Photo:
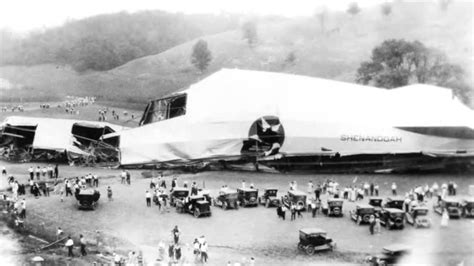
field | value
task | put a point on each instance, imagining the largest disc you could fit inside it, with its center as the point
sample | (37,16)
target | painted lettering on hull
(362,138)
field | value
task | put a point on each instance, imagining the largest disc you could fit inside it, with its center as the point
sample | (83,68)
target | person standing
(109,193)
(175,232)
(376,189)
(204,250)
(128,177)
(243,183)
(83,245)
(394,189)
(69,245)
(293,212)
(38,172)
(23,209)
(377,224)
(31,171)
(56,171)
(317,191)
(59,233)
(310,187)
(372,188)
(148,198)
(283,211)
(123,175)
(313,208)
(4,171)
(371,224)
(444,218)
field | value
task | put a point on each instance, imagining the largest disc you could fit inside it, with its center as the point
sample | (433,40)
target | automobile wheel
(224,205)
(310,250)
(267,204)
(197,213)
(300,246)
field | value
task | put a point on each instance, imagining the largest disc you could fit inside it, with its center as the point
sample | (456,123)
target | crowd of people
(115,115)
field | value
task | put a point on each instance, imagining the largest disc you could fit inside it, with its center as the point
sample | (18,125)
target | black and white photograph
(236,133)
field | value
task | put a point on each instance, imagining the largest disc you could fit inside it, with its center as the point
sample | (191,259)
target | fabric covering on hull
(234,113)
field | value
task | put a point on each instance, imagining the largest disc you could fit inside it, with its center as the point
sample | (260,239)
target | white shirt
(69,243)
(148,195)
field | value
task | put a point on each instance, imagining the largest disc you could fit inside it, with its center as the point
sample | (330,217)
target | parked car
(391,255)
(468,207)
(392,218)
(269,198)
(206,194)
(376,202)
(451,204)
(295,197)
(418,217)
(87,198)
(394,202)
(362,213)
(178,193)
(314,239)
(227,198)
(333,207)
(195,205)
(247,197)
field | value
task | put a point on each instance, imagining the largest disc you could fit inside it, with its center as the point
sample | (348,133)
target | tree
(249,32)
(201,56)
(386,9)
(396,63)
(353,9)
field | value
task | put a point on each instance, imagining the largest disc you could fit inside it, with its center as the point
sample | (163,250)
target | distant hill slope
(333,53)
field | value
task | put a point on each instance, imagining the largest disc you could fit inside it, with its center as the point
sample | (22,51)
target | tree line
(106,41)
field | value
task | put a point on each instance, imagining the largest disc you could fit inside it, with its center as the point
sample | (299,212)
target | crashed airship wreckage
(288,122)
(24,139)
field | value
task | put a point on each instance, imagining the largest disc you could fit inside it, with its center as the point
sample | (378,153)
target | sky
(26,15)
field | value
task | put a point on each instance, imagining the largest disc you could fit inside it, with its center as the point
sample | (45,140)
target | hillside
(334,52)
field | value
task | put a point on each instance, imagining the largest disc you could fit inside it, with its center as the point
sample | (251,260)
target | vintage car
(247,197)
(206,194)
(295,197)
(333,207)
(392,218)
(394,202)
(269,198)
(418,217)
(362,213)
(451,204)
(87,198)
(391,255)
(376,202)
(195,205)
(314,239)
(468,207)
(227,198)
(178,193)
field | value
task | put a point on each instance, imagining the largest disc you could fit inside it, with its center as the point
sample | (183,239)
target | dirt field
(126,223)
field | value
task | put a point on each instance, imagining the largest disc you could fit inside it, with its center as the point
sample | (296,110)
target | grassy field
(127,224)
(334,54)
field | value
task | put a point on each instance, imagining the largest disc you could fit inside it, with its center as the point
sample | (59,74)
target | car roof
(395,198)
(393,210)
(312,231)
(334,199)
(297,192)
(247,189)
(202,201)
(375,198)
(204,191)
(87,191)
(364,206)
(180,189)
(196,197)
(397,247)
(271,189)
(469,199)
(421,208)
(228,190)
(452,199)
